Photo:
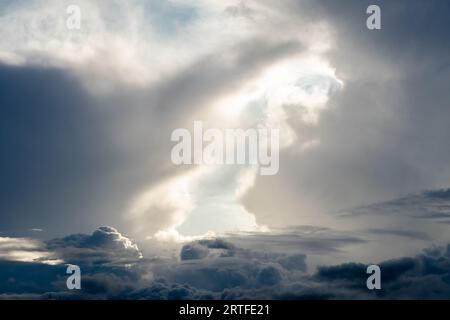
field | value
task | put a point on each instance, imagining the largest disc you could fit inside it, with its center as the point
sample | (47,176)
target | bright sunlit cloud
(26,250)
(142,44)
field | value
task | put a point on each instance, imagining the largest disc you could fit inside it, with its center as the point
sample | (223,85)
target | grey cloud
(108,260)
(432,205)
(383,133)
(104,246)
(293,262)
(208,247)
(405,278)
(270,274)
(161,289)
(189,252)
(246,275)
(210,77)
(55,147)
(307,239)
(221,248)
(74,160)
(401,233)
(209,276)
(217,243)
(28,278)
(86,156)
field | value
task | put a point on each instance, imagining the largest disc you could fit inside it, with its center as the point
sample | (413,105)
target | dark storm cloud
(70,160)
(425,276)
(382,135)
(204,248)
(108,262)
(164,290)
(23,278)
(192,252)
(55,154)
(403,278)
(248,274)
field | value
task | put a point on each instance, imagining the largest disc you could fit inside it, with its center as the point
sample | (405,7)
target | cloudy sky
(86,176)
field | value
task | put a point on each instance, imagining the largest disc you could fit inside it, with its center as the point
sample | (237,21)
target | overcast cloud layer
(85,123)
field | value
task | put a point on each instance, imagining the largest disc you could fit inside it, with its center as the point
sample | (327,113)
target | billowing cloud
(292,263)
(138,88)
(245,274)
(86,118)
(106,245)
(381,135)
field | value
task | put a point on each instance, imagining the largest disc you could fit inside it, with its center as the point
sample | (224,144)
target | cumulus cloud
(402,278)
(242,273)
(421,277)
(207,248)
(105,245)
(36,269)
(86,118)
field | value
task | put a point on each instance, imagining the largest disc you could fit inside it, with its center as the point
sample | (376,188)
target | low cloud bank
(113,268)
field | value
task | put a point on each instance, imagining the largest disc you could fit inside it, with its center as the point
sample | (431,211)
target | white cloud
(105,245)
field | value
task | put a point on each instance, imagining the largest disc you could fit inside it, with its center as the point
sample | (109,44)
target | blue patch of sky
(169,18)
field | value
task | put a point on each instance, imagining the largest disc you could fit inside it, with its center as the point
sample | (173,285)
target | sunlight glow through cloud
(132,43)
(305,82)
(26,250)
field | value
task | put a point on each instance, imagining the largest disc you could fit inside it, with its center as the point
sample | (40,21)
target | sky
(86,118)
